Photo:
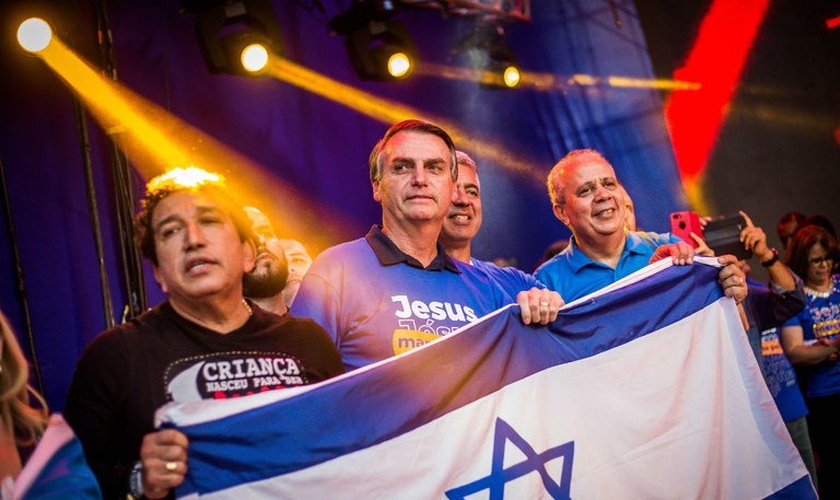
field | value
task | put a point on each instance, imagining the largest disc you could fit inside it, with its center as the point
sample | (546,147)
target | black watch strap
(773,259)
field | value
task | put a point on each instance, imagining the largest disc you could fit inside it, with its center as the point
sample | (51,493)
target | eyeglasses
(819,260)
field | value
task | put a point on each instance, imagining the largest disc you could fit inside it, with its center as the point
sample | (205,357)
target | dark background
(779,147)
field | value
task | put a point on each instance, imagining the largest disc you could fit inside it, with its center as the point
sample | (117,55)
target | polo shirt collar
(390,254)
(578,260)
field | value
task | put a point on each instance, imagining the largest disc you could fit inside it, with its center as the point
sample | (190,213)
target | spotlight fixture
(34,34)
(379,47)
(237,37)
(382,51)
(485,51)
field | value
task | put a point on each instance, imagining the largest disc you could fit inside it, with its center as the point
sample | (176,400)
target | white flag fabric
(645,390)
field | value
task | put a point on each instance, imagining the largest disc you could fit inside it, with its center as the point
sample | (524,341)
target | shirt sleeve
(318,299)
(94,409)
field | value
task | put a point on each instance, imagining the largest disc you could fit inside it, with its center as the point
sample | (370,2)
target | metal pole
(96,228)
(20,281)
(135,285)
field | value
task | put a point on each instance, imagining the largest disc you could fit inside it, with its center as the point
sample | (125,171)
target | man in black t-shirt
(204,342)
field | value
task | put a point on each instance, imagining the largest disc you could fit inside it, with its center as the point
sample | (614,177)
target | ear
(376,195)
(249,254)
(560,214)
(160,282)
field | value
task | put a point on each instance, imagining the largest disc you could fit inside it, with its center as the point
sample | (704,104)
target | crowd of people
(248,312)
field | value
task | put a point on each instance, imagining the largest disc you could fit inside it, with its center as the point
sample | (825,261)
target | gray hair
(558,194)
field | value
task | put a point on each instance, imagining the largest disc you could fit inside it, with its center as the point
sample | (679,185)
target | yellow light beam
(121,116)
(390,112)
(156,141)
(547,82)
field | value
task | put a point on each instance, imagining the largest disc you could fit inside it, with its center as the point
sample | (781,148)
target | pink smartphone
(685,223)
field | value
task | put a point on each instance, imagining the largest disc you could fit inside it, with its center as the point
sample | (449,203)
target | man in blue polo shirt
(586,197)
(396,289)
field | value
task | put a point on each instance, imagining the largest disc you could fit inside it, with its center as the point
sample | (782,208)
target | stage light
(382,51)
(511,76)
(485,52)
(237,37)
(34,34)
(379,47)
(399,65)
(254,57)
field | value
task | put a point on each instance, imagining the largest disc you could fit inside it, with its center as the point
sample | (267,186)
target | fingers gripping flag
(647,389)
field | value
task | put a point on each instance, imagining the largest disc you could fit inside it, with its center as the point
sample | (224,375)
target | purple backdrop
(316,146)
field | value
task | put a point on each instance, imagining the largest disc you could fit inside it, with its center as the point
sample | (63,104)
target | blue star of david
(499,476)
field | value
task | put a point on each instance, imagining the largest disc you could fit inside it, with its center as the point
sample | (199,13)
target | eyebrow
(602,180)
(202,210)
(414,161)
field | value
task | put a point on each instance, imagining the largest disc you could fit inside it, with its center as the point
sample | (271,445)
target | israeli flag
(645,390)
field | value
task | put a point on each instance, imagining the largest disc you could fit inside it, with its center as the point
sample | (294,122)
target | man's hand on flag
(164,457)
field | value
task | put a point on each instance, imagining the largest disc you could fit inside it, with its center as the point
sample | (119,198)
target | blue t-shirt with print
(820,320)
(781,378)
(375,302)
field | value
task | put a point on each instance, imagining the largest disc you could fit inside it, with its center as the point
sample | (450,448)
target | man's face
(416,184)
(299,263)
(198,248)
(463,220)
(594,206)
(269,275)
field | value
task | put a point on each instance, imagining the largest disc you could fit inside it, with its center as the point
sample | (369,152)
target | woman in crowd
(22,424)
(40,458)
(812,342)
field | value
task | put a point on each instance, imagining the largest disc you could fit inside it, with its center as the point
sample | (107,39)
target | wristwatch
(772,260)
(135,482)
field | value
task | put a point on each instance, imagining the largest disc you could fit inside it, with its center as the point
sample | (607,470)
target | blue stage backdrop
(312,144)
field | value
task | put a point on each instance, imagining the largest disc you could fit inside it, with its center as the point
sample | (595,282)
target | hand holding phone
(685,223)
(723,235)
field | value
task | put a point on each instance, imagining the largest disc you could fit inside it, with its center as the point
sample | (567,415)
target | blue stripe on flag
(800,489)
(373,406)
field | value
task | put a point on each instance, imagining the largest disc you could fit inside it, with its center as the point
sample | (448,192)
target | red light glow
(716,61)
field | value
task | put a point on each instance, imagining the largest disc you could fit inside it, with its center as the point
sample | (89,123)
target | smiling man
(462,223)
(204,342)
(588,199)
(396,289)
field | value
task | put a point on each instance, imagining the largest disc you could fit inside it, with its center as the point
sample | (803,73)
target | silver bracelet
(135,481)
